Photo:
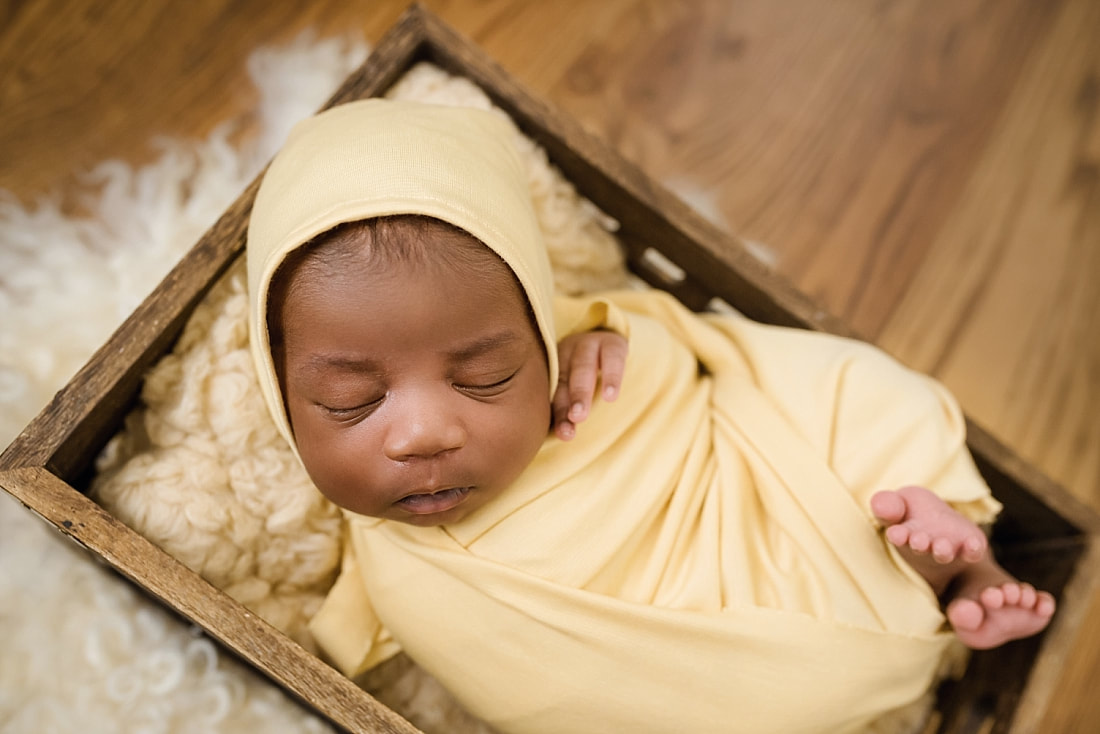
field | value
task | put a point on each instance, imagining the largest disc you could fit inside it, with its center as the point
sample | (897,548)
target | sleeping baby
(604,513)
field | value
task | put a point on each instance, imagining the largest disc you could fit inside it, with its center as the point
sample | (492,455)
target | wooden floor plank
(840,136)
(1006,308)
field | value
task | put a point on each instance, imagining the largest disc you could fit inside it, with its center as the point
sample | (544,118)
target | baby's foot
(936,541)
(989,607)
(992,610)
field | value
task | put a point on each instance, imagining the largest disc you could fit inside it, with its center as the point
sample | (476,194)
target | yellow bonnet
(375,158)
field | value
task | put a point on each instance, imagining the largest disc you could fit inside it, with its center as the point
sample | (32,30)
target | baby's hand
(584,360)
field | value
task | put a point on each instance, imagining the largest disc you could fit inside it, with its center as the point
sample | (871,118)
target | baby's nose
(424,431)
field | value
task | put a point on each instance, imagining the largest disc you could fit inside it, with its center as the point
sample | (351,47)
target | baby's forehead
(404,247)
(399,240)
(416,299)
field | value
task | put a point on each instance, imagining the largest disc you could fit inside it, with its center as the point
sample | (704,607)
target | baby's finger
(613,365)
(565,431)
(563,427)
(583,371)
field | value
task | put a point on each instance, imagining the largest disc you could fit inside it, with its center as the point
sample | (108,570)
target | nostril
(411,456)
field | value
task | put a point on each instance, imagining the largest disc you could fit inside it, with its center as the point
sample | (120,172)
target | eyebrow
(363,365)
(484,345)
(345,363)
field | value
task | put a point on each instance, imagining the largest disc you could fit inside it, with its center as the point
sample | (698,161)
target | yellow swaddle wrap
(702,556)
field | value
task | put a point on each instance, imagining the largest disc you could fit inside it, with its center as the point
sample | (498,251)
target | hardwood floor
(928,169)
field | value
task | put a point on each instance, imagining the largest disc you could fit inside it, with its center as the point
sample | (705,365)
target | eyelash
(364,409)
(350,413)
(490,387)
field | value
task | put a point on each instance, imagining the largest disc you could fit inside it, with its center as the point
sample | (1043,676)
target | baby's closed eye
(487,384)
(350,408)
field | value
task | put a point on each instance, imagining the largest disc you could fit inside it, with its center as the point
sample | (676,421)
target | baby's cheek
(329,465)
(347,491)
(526,438)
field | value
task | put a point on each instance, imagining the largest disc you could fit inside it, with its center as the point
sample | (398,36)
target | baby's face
(416,394)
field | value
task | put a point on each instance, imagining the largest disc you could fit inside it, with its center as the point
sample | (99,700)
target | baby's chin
(428,522)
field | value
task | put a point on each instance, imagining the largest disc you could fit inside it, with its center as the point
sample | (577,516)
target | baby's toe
(1028,596)
(898,535)
(943,550)
(1012,594)
(888,507)
(992,597)
(1044,605)
(920,541)
(973,548)
(965,614)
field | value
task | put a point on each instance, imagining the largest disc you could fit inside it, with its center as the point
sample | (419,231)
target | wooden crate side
(1036,507)
(76,423)
(274,654)
(988,698)
(1059,641)
(396,52)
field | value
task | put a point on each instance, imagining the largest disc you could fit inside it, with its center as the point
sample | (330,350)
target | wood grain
(1005,308)
(928,169)
(247,635)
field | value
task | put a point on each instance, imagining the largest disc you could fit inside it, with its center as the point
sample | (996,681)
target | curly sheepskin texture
(201,471)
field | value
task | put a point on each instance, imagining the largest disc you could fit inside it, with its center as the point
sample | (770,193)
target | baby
(435,405)
(720,515)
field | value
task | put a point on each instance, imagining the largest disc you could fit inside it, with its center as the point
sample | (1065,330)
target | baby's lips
(430,503)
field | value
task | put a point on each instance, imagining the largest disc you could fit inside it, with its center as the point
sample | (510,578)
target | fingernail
(610,393)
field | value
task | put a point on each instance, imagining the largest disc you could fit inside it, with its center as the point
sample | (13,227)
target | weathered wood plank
(264,647)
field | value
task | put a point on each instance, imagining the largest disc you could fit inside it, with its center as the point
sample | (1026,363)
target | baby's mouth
(430,503)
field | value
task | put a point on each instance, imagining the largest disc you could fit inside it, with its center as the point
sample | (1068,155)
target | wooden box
(1044,535)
